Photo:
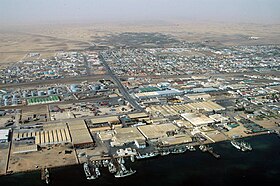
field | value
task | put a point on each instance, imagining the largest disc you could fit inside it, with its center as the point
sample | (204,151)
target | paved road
(87,65)
(122,89)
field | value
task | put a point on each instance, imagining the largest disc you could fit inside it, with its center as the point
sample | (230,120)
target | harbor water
(261,166)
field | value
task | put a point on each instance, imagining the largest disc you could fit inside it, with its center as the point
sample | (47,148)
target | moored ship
(123,172)
(89,175)
(47,176)
(243,146)
(147,155)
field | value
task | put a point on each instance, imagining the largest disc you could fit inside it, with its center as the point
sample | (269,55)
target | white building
(197,119)
(4,135)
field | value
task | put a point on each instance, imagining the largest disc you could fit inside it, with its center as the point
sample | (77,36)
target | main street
(122,89)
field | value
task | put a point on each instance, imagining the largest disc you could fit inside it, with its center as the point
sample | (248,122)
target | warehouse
(162,93)
(50,135)
(156,131)
(208,106)
(175,140)
(109,119)
(125,136)
(199,96)
(197,119)
(80,134)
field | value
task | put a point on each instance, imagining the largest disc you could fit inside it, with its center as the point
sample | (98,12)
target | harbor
(233,168)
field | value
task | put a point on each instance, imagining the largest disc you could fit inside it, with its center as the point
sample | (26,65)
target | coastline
(78,163)
(261,166)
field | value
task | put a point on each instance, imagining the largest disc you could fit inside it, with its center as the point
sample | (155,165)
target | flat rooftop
(197,119)
(125,135)
(138,115)
(199,96)
(4,134)
(156,131)
(171,110)
(51,134)
(176,140)
(206,105)
(79,132)
(110,119)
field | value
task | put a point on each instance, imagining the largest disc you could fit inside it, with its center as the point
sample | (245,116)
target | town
(102,105)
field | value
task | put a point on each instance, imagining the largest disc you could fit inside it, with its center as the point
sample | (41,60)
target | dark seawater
(259,167)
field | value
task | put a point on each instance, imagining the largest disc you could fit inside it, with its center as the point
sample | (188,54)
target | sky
(67,11)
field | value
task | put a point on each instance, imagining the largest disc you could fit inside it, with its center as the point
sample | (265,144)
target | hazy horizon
(13,12)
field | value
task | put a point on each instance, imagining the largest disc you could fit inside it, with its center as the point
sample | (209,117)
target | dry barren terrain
(17,42)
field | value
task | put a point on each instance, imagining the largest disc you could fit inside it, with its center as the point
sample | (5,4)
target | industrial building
(161,93)
(125,136)
(4,135)
(58,134)
(197,119)
(199,96)
(102,124)
(80,134)
(109,119)
(218,118)
(174,110)
(175,140)
(156,131)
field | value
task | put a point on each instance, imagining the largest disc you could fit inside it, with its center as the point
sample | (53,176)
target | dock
(208,149)
(43,175)
(211,151)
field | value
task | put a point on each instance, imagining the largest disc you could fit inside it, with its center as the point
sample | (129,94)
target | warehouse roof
(197,119)
(125,135)
(138,115)
(4,134)
(156,131)
(105,119)
(79,132)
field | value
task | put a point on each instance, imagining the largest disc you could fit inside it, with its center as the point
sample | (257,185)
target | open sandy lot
(50,157)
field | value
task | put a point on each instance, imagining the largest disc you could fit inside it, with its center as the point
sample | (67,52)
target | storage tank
(50,92)
(33,93)
(25,94)
(41,93)
(95,87)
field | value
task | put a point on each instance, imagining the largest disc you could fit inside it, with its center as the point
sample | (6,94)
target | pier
(211,151)
(205,148)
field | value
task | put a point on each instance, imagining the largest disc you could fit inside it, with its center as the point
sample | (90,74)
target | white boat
(88,173)
(164,153)
(47,176)
(132,158)
(190,148)
(245,146)
(97,171)
(236,144)
(203,148)
(178,151)
(147,155)
(105,163)
(112,168)
(123,172)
